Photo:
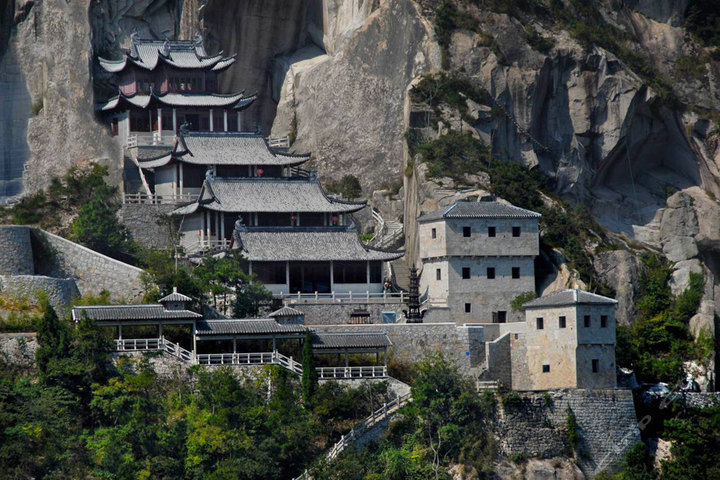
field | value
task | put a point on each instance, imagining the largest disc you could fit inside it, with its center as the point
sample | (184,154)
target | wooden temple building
(163,84)
(261,202)
(276,340)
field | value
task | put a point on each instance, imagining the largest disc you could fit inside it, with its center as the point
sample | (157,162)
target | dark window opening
(587,321)
(562,323)
(539,322)
(438,275)
(546,368)
(515,231)
(376,272)
(466,231)
(595,366)
(515,272)
(468,307)
(491,273)
(491,231)
(466,273)
(501,316)
(434,233)
(270,272)
(603,321)
(349,272)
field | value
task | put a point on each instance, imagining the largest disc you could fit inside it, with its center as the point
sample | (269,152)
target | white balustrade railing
(279,142)
(130,198)
(259,358)
(137,344)
(389,297)
(352,372)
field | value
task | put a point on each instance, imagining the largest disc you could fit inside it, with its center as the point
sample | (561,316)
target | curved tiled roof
(232,148)
(570,297)
(312,244)
(185,54)
(349,341)
(271,195)
(479,210)
(261,326)
(131,312)
(179,99)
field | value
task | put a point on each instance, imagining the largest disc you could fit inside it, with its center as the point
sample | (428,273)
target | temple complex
(163,84)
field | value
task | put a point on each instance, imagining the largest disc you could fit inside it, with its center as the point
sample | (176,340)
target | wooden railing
(129,198)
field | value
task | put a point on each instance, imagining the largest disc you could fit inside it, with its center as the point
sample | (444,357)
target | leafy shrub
(691,66)
(348,187)
(537,41)
(517,303)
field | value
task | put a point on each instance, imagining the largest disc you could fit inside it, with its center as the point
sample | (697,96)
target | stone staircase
(401,273)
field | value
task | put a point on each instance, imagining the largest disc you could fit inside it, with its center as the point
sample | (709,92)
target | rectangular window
(515,272)
(501,316)
(539,323)
(491,231)
(438,275)
(546,368)
(603,321)
(350,272)
(562,322)
(515,231)
(433,233)
(595,366)
(466,272)
(270,272)
(466,231)
(587,321)
(491,273)
(376,272)
(468,307)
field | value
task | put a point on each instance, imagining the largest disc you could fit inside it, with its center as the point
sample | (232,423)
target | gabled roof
(262,326)
(131,312)
(231,148)
(270,195)
(178,99)
(175,297)
(184,54)
(478,210)
(286,311)
(570,297)
(311,244)
(333,341)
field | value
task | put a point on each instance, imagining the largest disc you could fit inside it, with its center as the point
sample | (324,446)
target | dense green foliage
(702,19)
(659,341)
(80,417)
(447,423)
(348,187)
(696,440)
(309,373)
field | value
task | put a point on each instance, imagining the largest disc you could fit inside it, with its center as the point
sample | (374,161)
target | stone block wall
(60,292)
(498,363)
(339,313)
(149,224)
(16,256)
(413,342)
(92,271)
(535,424)
(18,349)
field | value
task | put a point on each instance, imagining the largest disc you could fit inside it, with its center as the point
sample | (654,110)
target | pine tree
(53,340)
(309,373)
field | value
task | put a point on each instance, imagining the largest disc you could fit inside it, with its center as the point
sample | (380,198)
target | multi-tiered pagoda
(165,84)
(260,201)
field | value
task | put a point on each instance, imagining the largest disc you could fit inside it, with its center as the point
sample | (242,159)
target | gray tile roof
(286,312)
(270,195)
(148,152)
(478,210)
(570,297)
(246,327)
(131,312)
(175,297)
(232,148)
(316,244)
(328,341)
(177,99)
(148,53)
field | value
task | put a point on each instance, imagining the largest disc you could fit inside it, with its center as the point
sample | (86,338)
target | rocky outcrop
(620,270)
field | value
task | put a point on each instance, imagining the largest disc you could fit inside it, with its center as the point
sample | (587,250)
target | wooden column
(160,330)
(120,332)
(368,273)
(181,180)
(159,118)
(287,275)
(234,345)
(174,120)
(332,276)
(239,115)
(225,119)
(222,225)
(217,224)
(212,129)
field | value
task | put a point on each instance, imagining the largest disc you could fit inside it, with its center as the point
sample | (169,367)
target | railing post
(350,294)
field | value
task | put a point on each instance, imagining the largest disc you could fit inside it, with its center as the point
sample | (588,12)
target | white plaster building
(476,258)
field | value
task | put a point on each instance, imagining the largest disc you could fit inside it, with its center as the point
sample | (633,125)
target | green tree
(98,228)
(53,338)
(250,296)
(309,373)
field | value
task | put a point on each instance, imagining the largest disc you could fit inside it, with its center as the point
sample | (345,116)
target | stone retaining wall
(412,342)
(149,224)
(535,425)
(16,256)
(339,313)
(18,349)
(92,271)
(60,292)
